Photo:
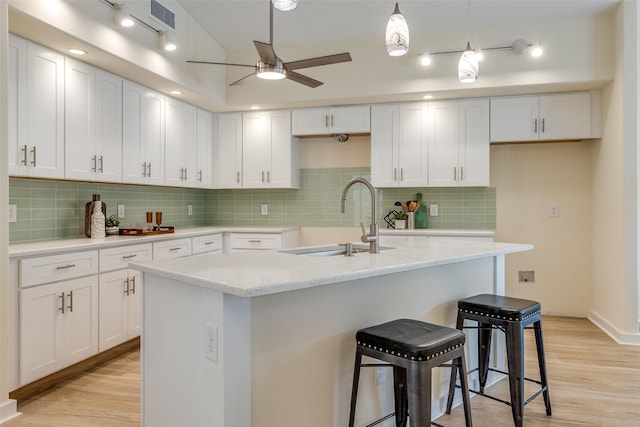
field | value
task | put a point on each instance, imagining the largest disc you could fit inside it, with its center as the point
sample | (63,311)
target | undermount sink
(329,250)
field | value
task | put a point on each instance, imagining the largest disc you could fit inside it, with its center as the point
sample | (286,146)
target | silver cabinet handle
(332,120)
(461,173)
(94,166)
(208,243)
(144,169)
(24,155)
(255,241)
(535,125)
(186,174)
(455,175)
(70,306)
(238,177)
(200,175)
(101,165)
(326,120)
(126,288)
(268,176)
(133,285)
(61,309)
(542,126)
(62,267)
(263,177)
(174,249)
(33,151)
(149,172)
(181,174)
(401,174)
(129,256)
(395,174)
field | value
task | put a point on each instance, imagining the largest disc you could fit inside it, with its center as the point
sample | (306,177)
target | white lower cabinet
(120,307)
(58,326)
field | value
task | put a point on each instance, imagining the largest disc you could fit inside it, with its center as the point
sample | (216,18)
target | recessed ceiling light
(78,51)
(427,97)
(176,92)
(255,107)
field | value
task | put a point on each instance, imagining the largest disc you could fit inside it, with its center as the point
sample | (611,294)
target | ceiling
(236,23)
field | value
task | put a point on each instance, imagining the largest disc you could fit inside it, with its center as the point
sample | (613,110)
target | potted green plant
(111,225)
(400,221)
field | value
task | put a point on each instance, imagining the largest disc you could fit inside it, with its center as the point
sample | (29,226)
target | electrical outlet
(381,376)
(526,276)
(211,342)
(13,213)
(264,209)
(120,211)
(433,210)
(189,210)
(554,211)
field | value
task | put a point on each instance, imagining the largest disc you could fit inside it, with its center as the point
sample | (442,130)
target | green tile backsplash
(55,209)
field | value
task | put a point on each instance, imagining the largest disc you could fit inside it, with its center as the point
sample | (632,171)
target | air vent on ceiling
(161,14)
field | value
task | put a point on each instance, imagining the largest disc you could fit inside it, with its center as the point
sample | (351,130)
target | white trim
(619,337)
(9,411)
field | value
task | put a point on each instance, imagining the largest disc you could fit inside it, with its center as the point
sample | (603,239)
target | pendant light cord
(468,22)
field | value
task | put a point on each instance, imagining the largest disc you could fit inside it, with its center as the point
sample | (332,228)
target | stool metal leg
(354,387)
(419,394)
(484,350)
(400,395)
(537,327)
(464,386)
(452,388)
(515,358)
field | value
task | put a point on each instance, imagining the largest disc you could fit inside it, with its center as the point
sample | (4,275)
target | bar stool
(412,348)
(512,316)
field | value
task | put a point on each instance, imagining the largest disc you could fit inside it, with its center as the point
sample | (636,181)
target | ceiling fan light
(121,15)
(285,5)
(270,72)
(468,66)
(397,35)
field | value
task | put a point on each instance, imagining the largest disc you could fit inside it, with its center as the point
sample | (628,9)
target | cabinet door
(384,145)
(45,112)
(81,319)
(204,143)
(41,331)
(80,155)
(108,126)
(443,144)
(412,145)
(180,143)
(474,152)
(227,156)
(143,135)
(355,119)
(310,121)
(514,119)
(113,310)
(282,172)
(256,149)
(565,116)
(134,305)
(17,106)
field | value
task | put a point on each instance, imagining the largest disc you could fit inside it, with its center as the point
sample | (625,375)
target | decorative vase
(97,221)
(112,230)
(88,210)
(400,224)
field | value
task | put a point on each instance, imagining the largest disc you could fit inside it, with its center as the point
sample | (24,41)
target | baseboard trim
(612,331)
(8,410)
(32,389)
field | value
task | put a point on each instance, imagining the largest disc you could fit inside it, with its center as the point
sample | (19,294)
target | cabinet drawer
(53,268)
(172,249)
(118,258)
(208,243)
(255,241)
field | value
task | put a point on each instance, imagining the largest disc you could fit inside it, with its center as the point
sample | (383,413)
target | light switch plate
(189,210)
(433,210)
(13,213)
(120,211)
(264,209)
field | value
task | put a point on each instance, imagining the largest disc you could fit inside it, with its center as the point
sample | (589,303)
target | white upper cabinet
(269,151)
(555,117)
(143,135)
(180,143)
(93,123)
(36,96)
(459,143)
(398,145)
(323,121)
(227,151)
(204,147)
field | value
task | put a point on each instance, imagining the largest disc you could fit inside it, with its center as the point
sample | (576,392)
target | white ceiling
(236,23)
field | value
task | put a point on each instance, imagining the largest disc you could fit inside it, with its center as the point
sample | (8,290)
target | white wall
(529,178)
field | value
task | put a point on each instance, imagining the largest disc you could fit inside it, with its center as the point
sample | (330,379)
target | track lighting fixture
(397,35)
(121,15)
(168,41)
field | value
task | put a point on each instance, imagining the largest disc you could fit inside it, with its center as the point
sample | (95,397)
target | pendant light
(285,5)
(468,63)
(397,36)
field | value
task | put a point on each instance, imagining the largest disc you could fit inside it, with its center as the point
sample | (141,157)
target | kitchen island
(267,339)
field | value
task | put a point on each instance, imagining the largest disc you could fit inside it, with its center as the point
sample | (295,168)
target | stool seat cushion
(411,339)
(500,307)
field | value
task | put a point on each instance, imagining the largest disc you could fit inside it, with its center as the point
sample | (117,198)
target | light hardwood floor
(593,382)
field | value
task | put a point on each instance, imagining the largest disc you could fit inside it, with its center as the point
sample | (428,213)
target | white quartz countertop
(44,247)
(256,273)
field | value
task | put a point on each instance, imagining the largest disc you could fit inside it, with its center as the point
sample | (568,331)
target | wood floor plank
(593,382)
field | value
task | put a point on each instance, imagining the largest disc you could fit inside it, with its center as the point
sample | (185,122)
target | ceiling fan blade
(266,52)
(237,82)
(299,78)
(320,60)
(220,63)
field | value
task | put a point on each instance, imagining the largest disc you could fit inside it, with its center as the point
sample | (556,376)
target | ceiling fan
(271,67)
